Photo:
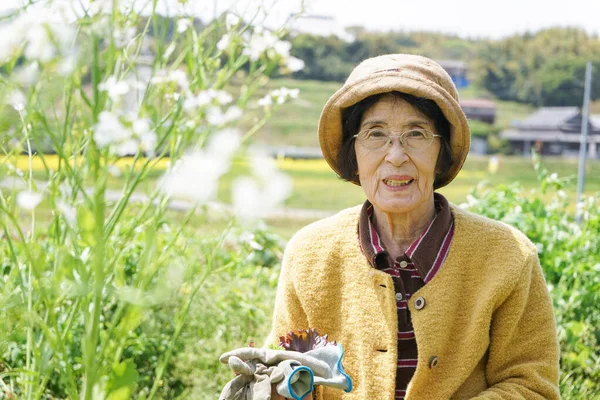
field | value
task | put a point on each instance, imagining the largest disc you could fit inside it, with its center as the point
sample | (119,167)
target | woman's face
(397,180)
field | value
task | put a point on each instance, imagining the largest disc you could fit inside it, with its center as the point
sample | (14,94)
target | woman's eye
(377,134)
(415,134)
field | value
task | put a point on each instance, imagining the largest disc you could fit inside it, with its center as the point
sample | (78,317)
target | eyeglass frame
(399,137)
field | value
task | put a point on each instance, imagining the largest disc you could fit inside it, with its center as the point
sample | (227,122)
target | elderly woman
(429,301)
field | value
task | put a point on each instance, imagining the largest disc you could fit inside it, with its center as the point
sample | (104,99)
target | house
(479,110)
(553,131)
(457,71)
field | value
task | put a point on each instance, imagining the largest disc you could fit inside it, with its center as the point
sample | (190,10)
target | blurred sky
(467,18)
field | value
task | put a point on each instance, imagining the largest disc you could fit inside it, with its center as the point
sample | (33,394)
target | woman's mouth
(397,182)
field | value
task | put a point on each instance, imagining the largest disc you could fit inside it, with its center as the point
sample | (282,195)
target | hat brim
(330,123)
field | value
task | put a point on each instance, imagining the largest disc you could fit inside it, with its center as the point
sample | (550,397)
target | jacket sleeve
(523,358)
(288,313)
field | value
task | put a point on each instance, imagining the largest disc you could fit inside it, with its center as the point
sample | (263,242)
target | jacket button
(419,303)
(403,264)
(433,362)
(399,296)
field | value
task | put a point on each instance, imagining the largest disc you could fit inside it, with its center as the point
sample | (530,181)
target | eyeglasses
(379,139)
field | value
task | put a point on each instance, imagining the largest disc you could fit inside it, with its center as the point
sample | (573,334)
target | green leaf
(123,393)
(85,219)
(86,223)
(123,378)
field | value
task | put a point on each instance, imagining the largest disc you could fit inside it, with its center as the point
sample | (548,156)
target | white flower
(109,130)
(225,142)
(222,97)
(215,116)
(293,93)
(249,200)
(10,41)
(180,77)
(204,98)
(124,36)
(233,113)
(259,43)
(42,30)
(66,65)
(231,20)
(246,198)
(28,74)
(127,147)
(190,104)
(266,101)
(281,98)
(148,143)
(16,170)
(282,47)
(115,88)
(141,127)
(28,200)
(294,64)
(39,45)
(283,94)
(172,96)
(183,25)
(177,76)
(195,177)
(67,212)
(223,43)
(66,190)
(16,99)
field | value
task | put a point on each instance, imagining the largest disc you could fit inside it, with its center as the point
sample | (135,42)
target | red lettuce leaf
(304,340)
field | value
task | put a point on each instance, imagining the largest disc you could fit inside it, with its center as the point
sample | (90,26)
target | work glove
(251,383)
(324,364)
(292,379)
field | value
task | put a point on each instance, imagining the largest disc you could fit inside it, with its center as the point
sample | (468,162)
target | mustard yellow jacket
(487,329)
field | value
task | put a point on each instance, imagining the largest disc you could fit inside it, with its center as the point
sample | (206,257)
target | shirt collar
(423,252)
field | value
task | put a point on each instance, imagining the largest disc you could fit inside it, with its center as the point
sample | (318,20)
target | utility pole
(584,133)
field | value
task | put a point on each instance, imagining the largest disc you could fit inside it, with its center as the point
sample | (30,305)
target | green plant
(569,256)
(97,286)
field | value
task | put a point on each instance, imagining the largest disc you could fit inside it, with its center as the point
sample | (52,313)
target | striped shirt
(411,271)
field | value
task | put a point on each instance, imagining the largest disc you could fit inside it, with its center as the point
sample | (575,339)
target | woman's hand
(277,396)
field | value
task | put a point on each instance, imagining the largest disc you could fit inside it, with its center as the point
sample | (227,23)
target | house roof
(478,103)
(545,136)
(548,118)
(561,124)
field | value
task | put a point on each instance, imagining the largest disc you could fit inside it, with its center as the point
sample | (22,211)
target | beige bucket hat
(415,75)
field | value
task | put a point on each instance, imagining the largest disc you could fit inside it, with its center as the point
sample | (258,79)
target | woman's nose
(396,153)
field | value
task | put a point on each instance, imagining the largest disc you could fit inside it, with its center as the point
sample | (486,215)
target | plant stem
(29,360)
